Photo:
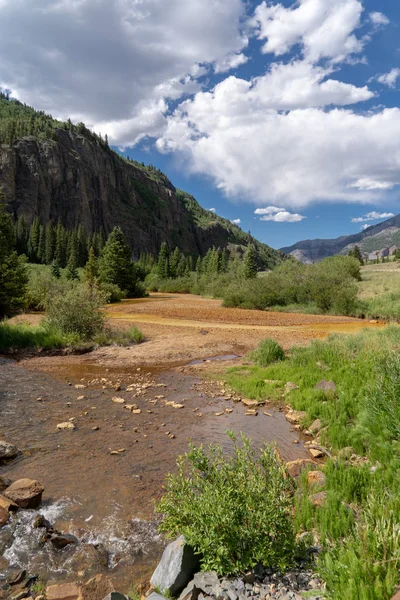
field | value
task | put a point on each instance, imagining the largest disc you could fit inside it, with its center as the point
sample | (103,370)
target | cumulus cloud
(364,227)
(389,79)
(236,221)
(213,210)
(113,63)
(232,61)
(278,215)
(372,216)
(378,18)
(324,29)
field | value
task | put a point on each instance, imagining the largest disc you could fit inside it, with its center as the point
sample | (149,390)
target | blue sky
(290,109)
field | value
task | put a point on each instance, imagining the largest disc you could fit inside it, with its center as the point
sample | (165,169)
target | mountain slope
(60,171)
(374,238)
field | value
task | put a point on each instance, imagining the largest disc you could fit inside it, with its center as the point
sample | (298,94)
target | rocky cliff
(71,175)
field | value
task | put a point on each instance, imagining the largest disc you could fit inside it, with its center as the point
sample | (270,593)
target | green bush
(108,336)
(234,510)
(77,311)
(112,292)
(42,285)
(22,335)
(268,352)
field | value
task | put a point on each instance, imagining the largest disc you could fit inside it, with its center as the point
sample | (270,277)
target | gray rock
(7,451)
(202,583)
(176,568)
(326,386)
(118,596)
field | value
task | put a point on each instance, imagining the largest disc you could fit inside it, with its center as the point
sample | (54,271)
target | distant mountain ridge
(375,239)
(58,171)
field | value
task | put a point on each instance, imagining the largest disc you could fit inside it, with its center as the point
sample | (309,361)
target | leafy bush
(108,336)
(77,311)
(42,285)
(112,292)
(268,352)
(235,511)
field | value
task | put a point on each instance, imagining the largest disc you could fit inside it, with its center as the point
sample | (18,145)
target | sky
(281,116)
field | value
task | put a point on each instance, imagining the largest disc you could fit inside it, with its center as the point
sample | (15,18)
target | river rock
(316,478)
(316,453)
(326,386)
(315,426)
(8,451)
(89,558)
(206,583)
(61,540)
(65,426)
(8,504)
(295,467)
(295,416)
(4,483)
(97,588)
(63,591)
(4,514)
(26,493)
(176,568)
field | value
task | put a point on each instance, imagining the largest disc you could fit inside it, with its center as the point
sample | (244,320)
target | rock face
(7,451)
(176,568)
(73,179)
(26,493)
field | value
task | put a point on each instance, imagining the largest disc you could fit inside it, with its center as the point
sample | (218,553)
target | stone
(315,426)
(8,451)
(4,483)
(4,514)
(290,386)
(20,595)
(176,568)
(316,478)
(61,540)
(7,504)
(26,493)
(65,426)
(326,386)
(154,596)
(118,400)
(295,467)
(89,558)
(63,591)
(249,403)
(118,596)
(202,583)
(16,577)
(346,453)
(97,588)
(318,499)
(295,416)
(316,453)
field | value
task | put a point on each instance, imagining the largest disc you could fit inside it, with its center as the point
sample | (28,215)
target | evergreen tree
(92,268)
(115,264)
(21,232)
(162,264)
(82,246)
(33,240)
(55,270)
(198,265)
(72,265)
(181,268)
(60,253)
(50,244)
(41,253)
(250,262)
(13,274)
(174,262)
(223,261)
(356,253)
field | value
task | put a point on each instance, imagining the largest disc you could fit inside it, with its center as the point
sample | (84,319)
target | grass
(358,525)
(21,336)
(379,291)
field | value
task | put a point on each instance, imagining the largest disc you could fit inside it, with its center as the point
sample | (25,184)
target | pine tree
(50,244)
(82,246)
(41,253)
(13,274)
(115,264)
(223,261)
(250,262)
(55,270)
(181,268)
(198,266)
(60,253)
(33,240)
(174,262)
(92,268)
(21,232)
(72,265)
(162,264)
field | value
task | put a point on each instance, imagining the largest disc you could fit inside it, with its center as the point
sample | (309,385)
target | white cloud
(378,18)
(389,79)
(113,63)
(325,29)
(372,216)
(278,215)
(236,221)
(364,227)
(213,210)
(232,61)
(368,184)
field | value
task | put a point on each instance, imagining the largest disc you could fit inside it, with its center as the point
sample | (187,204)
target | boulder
(8,504)
(316,453)
(176,568)
(295,416)
(118,596)
(97,588)
(63,591)
(61,540)
(154,596)
(7,451)
(315,427)
(290,386)
(4,514)
(26,493)
(318,499)
(4,483)
(295,467)
(316,478)
(206,583)
(326,386)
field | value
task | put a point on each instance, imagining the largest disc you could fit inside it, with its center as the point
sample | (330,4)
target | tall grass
(359,522)
(17,337)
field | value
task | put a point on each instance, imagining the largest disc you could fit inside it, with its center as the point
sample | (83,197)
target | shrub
(235,511)
(108,336)
(22,335)
(42,286)
(267,353)
(77,311)
(112,292)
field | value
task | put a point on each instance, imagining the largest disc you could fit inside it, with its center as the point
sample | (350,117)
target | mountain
(377,238)
(58,171)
